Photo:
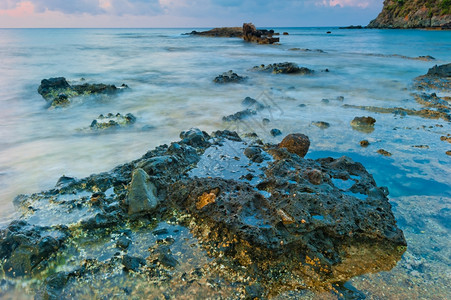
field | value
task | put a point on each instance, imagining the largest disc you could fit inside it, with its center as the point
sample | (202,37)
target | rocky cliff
(414,14)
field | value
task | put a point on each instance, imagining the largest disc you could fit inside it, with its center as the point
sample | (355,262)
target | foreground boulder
(58,92)
(199,214)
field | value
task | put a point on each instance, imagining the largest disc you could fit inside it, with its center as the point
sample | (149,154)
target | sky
(185,13)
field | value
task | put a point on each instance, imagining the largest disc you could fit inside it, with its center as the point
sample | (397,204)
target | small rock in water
(321,124)
(296,143)
(384,152)
(254,154)
(283,68)
(275,132)
(238,116)
(228,77)
(364,143)
(251,102)
(266,121)
(112,121)
(448,152)
(363,124)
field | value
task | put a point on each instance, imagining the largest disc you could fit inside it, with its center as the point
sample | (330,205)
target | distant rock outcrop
(248,32)
(414,14)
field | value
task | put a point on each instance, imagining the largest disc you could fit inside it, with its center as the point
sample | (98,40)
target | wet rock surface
(210,215)
(437,78)
(283,68)
(434,107)
(58,92)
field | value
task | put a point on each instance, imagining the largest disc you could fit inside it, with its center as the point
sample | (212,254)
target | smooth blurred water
(171,75)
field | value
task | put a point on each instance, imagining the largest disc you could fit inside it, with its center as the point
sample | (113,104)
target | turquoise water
(171,75)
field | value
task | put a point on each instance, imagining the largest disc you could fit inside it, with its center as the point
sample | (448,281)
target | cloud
(349,3)
(206,13)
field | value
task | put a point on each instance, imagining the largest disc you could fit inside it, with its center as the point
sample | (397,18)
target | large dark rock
(303,217)
(58,92)
(440,71)
(24,246)
(49,86)
(437,78)
(261,212)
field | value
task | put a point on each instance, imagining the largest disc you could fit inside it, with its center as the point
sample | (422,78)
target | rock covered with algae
(210,215)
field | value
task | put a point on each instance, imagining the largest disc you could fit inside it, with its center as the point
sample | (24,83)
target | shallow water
(170,76)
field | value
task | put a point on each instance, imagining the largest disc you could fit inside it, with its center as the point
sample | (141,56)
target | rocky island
(414,14)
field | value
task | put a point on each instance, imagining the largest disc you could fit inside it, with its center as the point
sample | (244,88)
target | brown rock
(364,143)
(297,143)
(251,34)
(383,152)
(448,152)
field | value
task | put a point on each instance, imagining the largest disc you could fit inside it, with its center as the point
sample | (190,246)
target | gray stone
(142,193)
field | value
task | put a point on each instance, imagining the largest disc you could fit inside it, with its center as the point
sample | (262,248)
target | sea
(170,76)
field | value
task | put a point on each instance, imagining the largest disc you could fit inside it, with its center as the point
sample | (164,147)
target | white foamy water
(171,80)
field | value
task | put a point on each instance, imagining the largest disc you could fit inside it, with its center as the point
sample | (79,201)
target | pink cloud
(22,9)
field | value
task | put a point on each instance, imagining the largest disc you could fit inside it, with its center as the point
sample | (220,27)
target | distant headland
(430,14)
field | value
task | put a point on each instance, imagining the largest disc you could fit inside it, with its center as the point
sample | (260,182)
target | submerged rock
(209,208)
(363,124)
(283,68)
(238,116)
(24,247)
(321,124)
(112,121)
(229,77)
(58,92)
(275,132)
(384,152)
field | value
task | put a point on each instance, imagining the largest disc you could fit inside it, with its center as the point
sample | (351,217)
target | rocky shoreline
(425,14)
(258,215)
